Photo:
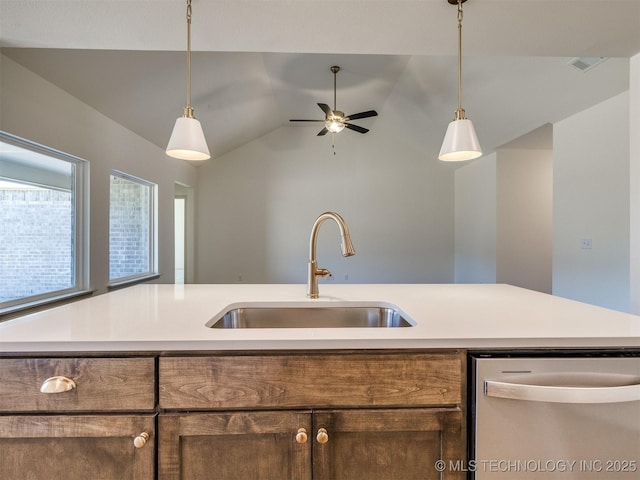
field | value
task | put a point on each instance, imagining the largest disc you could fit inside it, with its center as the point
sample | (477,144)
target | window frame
(152,271)
(80,208)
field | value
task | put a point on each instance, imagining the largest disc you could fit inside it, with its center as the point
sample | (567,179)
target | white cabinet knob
(141,440)
(301,435)
(322,436)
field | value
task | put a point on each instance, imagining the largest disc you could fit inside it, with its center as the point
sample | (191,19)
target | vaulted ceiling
(258,63)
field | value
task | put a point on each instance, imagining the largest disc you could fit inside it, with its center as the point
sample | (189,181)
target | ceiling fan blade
(325,108)
(296,120)
(356,128)
(324,131)
(367,114)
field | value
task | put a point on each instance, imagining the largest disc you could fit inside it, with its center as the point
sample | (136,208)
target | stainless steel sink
(310,317)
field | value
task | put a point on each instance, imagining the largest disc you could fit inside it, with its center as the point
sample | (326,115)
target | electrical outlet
(585,244)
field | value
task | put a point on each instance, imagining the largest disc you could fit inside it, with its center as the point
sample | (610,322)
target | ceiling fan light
(334,125)
(187,140)
(460,142)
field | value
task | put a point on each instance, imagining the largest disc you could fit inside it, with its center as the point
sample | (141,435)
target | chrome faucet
(345,245)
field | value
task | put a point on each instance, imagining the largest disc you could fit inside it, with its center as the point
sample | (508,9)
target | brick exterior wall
(128,228)
(36,238)
(36,242)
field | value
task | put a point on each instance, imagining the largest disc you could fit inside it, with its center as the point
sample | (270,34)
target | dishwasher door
(564,418)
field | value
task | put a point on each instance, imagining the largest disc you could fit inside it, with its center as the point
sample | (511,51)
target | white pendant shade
(187,140)
(460,142)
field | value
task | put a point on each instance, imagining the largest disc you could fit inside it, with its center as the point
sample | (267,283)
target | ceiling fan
(335,121)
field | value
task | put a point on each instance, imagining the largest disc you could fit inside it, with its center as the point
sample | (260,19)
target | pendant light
(187,140)
(460,141)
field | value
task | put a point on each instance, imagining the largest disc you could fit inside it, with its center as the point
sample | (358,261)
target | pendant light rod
(460,112)
(188,110)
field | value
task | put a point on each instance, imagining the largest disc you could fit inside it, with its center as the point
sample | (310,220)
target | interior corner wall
(257,205)
(592,201)
(524,218)
(37,110)
(634,169)
(475,216)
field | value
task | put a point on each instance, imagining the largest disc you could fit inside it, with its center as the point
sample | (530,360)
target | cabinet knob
(322,436)
(141,440)
(301,436)
(57,384)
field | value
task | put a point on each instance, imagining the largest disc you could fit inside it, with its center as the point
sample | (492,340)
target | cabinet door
(77,447)
(235,446)
(387,444)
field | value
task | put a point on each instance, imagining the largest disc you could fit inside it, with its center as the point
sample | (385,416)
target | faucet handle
(322,272)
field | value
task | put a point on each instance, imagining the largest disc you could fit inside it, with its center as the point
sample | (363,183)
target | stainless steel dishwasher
(555,417)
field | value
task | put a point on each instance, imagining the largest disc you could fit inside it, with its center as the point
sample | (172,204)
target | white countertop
(172,317)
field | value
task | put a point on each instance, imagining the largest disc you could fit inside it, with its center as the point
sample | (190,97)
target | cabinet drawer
(104,384)
(310,380)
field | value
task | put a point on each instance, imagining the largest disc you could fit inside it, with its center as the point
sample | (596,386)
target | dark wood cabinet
(338,415)
(100,384)
(389,444)
(99,425)
(386,444)
(365,415)
(304,380)
(236,446)
(77,447)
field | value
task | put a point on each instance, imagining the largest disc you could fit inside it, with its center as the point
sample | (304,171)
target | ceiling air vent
(585,64)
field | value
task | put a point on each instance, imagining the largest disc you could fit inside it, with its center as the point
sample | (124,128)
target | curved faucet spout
(345,245)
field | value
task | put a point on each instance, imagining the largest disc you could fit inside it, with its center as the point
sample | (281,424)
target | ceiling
(258,63)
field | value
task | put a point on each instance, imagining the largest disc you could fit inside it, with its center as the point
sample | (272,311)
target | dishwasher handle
(562,394)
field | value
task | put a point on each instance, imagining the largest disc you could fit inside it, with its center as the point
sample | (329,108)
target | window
(132,232)
(43,242)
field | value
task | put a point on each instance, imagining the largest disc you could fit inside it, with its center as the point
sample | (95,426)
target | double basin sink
(307,316)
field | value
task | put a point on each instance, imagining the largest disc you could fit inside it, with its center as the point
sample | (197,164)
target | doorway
(183,231)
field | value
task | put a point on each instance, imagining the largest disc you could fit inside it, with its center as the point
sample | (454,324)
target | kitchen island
(173,317)
(137,386)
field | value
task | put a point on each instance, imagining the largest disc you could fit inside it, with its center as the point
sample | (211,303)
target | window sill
(131,281)
(8,313)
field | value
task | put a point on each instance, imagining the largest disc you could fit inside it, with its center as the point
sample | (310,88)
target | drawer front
(310,380)
(100,384)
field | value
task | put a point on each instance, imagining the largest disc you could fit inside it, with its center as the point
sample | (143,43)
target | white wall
(503,219)
(475,193)
(524,218)
(257,206)
(37,110)
(634,168)
(258,203)
(591,200)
